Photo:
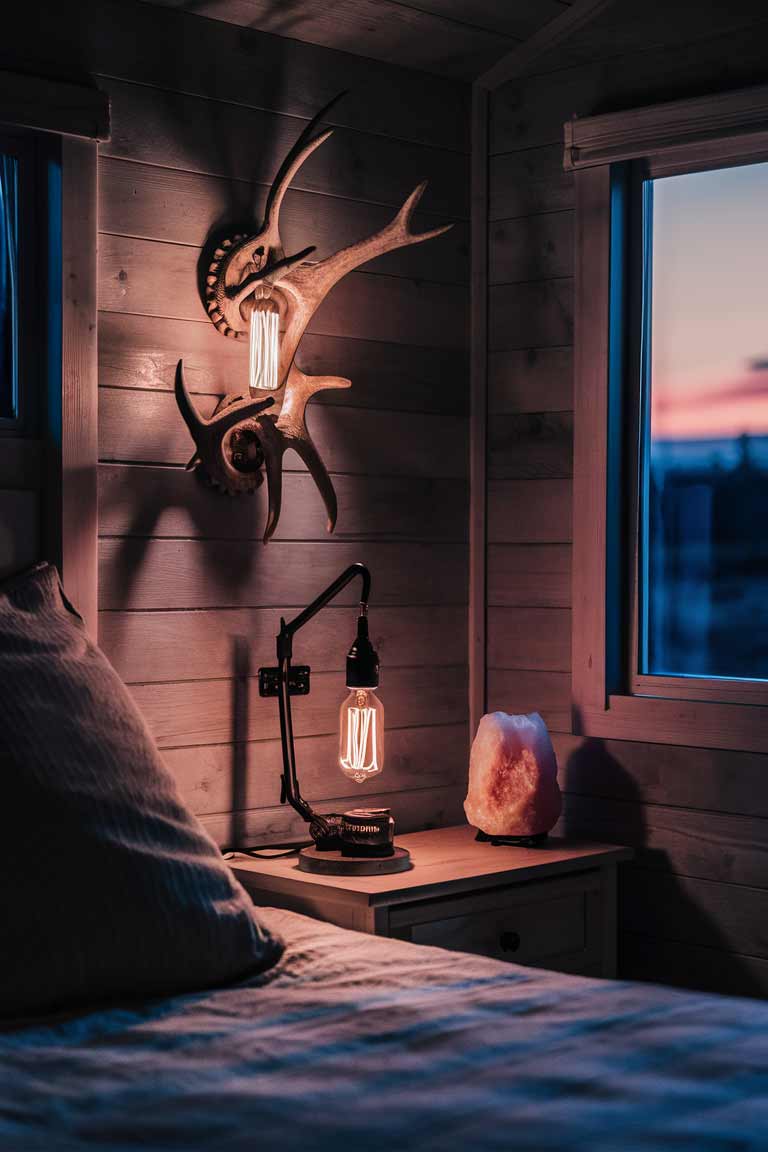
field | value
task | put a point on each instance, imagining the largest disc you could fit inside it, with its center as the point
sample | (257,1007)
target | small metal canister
(367,832)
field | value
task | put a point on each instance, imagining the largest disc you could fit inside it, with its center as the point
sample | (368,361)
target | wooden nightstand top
(447,861)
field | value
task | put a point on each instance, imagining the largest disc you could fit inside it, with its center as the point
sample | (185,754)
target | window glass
(8,287)
(704,450)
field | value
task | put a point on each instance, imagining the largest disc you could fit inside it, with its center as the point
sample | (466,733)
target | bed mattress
(359,1043)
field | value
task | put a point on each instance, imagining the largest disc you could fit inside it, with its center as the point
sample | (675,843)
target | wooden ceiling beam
(523,55)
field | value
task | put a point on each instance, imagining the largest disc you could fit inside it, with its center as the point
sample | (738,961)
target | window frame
(59,456)
(610,156)
(26,151)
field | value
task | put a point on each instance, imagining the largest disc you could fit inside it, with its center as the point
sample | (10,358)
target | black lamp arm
(287,631)
(290,791)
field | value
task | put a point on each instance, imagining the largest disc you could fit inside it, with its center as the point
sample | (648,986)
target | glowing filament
(360,759)
(265,348)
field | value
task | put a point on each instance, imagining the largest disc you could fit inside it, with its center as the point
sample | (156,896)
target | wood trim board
(54,106)
(590,463)
(79,378)
(478,515)
(727,120)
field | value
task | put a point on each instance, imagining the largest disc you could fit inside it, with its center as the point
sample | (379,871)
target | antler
(301,150)
(306,286)
(275,437)
(275,442)
(273,273)
(209,435)
(240,264)
(250,265)
(316,280)
(292,430)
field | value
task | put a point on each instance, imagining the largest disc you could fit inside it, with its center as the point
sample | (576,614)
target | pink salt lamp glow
(513,789)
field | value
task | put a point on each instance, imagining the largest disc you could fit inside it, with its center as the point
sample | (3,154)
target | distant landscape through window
(9,300)
(704,451)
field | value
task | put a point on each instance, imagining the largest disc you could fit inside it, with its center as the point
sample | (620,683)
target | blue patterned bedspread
(361,1044)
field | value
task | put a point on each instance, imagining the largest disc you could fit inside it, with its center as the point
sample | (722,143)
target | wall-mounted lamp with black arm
(360,841)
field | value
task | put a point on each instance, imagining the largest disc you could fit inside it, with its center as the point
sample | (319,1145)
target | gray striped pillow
(109,887)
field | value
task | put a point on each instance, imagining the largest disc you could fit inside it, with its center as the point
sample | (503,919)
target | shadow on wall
(205,146)
(196,501)
(241,669)
(664,936)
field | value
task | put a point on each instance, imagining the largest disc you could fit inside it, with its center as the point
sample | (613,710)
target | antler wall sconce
(254,290)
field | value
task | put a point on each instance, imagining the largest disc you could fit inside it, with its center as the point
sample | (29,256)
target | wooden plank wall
(190,600)
(693,906)
(21,478)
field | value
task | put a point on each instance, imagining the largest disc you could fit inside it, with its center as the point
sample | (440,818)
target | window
(670,531)
(704,503)
(23,276)
(48,365)
(9,287)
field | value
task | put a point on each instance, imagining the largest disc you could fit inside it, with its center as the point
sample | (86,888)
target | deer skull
(231,446)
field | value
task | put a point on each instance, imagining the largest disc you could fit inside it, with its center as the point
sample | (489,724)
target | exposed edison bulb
(361,735)
(265,346)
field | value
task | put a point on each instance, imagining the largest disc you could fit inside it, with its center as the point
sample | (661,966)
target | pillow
(109,887)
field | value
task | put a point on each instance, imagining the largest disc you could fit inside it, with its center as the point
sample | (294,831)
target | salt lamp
(513,790)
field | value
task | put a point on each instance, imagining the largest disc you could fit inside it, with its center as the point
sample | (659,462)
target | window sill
(724,690)
(658,720)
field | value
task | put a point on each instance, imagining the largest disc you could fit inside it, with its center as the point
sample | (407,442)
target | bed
(356,1042)
(228,1027)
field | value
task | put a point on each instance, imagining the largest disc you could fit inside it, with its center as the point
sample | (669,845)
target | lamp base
(533,841)
(334,864)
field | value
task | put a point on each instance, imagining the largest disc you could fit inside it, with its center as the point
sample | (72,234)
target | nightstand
(549,907)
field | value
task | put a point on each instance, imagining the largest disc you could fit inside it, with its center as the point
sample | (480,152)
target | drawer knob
(509,941)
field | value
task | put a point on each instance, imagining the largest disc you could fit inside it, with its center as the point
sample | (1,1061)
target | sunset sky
(710,304)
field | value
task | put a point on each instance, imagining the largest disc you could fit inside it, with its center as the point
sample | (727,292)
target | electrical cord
(269,851)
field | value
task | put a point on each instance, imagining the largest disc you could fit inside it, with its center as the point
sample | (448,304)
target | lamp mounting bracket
(270,680)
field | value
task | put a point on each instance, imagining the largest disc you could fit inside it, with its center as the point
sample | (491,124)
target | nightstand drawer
(555,923)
